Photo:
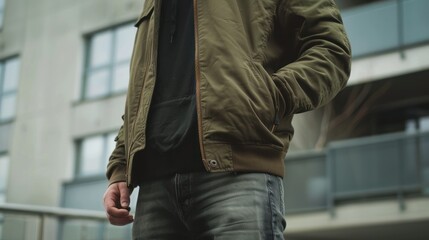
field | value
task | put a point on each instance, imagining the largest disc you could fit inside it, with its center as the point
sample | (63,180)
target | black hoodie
(172,140)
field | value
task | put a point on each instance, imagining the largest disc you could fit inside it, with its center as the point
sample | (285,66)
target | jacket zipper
(276,120)
(198,83)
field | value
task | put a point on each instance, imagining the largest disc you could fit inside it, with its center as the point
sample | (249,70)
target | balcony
(387,165)
(42,223)
(387,26)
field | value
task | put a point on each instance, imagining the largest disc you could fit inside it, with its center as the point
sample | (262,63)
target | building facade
(358,168)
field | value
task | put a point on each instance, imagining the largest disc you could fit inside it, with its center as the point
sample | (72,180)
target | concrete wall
(47,35)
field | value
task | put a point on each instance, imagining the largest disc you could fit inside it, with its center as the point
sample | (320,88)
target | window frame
(110,66)
(78,173)
(3,63)
(3,191)
(2,12)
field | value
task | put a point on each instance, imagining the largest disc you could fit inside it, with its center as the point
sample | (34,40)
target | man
(214,86)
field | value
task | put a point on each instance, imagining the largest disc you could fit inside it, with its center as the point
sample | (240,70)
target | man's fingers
(124,195)
(120,221)
(117,212)
(116,196)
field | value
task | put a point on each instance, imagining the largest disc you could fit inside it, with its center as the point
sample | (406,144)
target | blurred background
(358,168)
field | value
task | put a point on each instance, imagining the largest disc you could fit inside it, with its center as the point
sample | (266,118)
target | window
(1,12)
(9,71)
(93,154)
(4,166)
(107,62)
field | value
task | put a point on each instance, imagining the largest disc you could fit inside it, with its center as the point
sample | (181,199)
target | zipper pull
(276,122)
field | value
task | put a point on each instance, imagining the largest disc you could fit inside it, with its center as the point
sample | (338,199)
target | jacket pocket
(146,13)
(273,92)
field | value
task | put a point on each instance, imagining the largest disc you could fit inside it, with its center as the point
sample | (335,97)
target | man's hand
(116,203)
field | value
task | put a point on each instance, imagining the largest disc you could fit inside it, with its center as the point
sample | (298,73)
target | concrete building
(361,172)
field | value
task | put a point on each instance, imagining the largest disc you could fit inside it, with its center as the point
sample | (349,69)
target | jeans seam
(282,203)
(276,202)
(271,204)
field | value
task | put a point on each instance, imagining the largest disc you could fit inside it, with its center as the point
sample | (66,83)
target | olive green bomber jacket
(257,63)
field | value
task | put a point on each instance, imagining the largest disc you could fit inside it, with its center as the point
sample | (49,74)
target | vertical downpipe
(419,157)
(330,175)
(41,227)
(400,185)
(400,25)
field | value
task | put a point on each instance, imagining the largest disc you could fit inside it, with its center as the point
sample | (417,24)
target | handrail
(42,212)
(52,211)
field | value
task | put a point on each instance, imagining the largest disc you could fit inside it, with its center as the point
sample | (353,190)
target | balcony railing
(387,25)
(392,164)
(41,223)
(387,165)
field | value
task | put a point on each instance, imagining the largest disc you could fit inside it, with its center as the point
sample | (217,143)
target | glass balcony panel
(28,222)
(374,165)
(81,229)
(416,17)
(373,27)
(409,163)
(19,226)
(117,232)
(73,229)
(305,183)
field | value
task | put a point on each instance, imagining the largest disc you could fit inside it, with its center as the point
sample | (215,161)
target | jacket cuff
(118,175)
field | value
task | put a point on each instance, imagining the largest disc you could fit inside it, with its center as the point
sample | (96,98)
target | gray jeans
(211,206)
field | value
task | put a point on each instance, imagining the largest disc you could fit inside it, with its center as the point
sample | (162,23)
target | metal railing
(42,223)
(385,165)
